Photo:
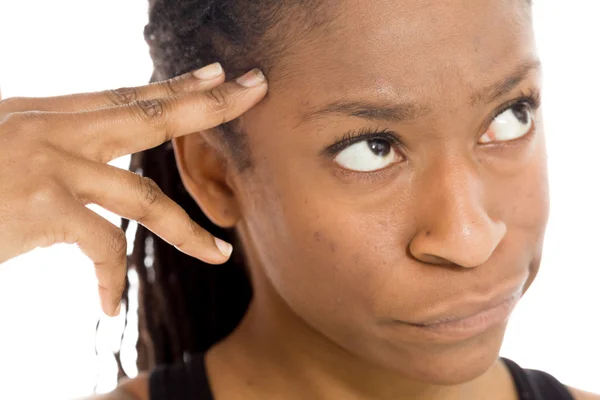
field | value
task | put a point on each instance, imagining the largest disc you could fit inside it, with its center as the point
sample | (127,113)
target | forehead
(409,50)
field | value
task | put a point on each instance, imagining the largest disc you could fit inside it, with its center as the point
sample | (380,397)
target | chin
(447,363)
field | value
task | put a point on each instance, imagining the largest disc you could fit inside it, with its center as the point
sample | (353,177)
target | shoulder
(583,395)
(128,389)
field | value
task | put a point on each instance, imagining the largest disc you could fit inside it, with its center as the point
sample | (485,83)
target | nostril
(435,260)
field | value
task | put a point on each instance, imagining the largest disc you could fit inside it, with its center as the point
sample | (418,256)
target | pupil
(521,112)
(379,147)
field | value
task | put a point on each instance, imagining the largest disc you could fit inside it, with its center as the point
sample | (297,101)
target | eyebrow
(505,85)
(403,112)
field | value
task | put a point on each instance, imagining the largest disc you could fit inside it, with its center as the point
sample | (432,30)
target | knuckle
(14,121)
(149,111)
(218,100)
(41,159)
(122,96)
(173,86)
(117,242)
(45,196)
(12,104)
(29,121)
(149,193)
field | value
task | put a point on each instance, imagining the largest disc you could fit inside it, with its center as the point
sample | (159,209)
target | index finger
(204,78)
(106,134)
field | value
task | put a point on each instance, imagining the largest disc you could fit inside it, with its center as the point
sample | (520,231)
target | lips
(462,310)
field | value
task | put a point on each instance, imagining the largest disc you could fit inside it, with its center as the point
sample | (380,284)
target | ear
(204,171)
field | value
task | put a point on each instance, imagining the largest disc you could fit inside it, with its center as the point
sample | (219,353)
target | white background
(48,303)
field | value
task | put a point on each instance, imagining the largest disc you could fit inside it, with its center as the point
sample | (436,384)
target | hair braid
(185,305)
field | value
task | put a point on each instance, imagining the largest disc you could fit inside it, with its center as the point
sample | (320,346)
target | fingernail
(252,78)
(224,247)
(209,72)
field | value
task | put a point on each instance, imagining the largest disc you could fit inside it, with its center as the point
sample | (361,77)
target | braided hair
(185,305)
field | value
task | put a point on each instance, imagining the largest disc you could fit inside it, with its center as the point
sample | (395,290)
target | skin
(335,256)
(60,146)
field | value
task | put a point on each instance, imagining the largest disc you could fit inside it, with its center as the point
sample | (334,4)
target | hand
(53,161)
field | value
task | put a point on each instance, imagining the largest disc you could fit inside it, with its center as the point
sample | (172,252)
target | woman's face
(446,205)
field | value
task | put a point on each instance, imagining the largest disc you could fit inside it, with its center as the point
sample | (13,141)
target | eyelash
(532,100)
(358,136)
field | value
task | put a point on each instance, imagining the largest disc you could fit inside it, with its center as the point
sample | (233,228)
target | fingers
(139,198)
(113,132)
(106,245)
(202,79)
(100,240)
(69,222)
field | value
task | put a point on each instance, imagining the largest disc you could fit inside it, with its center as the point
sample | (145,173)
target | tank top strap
(536,385)
(189,381)
(181,381)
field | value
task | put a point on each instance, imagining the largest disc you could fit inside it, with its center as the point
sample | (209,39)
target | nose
(454,224)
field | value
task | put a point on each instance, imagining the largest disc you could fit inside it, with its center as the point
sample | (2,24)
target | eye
(511,124)
(367,155)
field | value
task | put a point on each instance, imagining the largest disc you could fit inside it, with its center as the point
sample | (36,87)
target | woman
(386,199)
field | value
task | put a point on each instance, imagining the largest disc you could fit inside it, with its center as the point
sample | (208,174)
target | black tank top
(188,381)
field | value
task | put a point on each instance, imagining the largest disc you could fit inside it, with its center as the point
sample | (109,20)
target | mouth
(464,320)
(468,311)
(464,328)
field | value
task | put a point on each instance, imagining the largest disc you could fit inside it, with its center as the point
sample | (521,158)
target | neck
(274,352)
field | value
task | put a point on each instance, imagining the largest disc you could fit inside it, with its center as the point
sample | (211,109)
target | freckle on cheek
(318,236)
(332,246)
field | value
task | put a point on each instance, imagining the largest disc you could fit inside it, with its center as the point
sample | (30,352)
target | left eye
(511,124)
(367,155)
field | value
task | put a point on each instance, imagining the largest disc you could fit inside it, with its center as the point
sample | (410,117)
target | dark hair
(185,305)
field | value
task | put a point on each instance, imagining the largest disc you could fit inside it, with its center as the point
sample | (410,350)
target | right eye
(367,155)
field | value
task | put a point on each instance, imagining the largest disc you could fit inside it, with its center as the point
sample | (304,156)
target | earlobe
(203,168)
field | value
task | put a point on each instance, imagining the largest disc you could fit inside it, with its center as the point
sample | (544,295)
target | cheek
(526,198)
(320,256)
(326,258)
(522,201)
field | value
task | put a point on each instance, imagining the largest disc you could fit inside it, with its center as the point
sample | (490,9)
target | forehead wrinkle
(366,109)
(506,84)
(397,107)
